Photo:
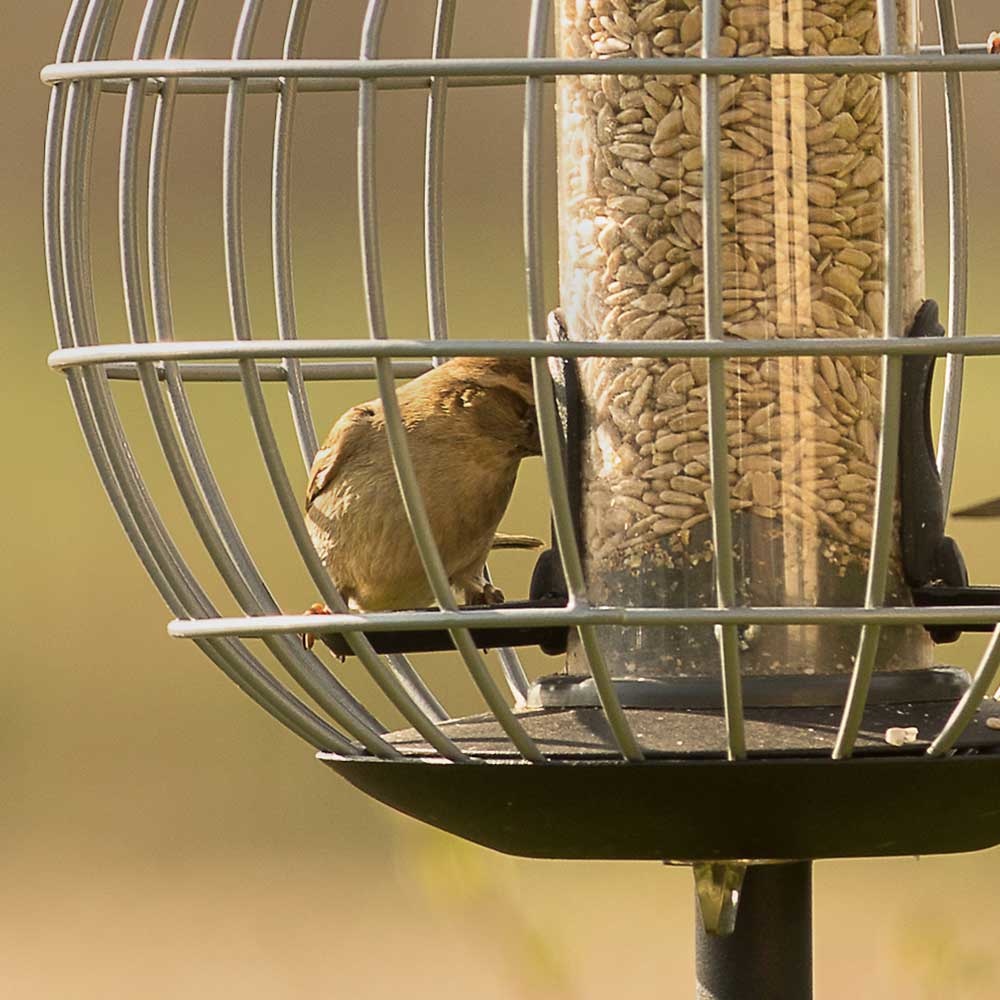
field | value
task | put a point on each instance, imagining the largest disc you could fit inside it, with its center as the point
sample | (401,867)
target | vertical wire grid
(281,247)
(402,460)
(109,425)
(437,306)
(406,702)
(250,588)
(888,450)
(984,678)
(722,525)
(958,245)
(240,575)
(67,164)
(548,419)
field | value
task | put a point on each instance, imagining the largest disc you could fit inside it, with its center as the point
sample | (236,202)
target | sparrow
(993,43)
(469,422)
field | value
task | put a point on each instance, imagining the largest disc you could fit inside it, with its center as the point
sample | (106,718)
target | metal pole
(768,956)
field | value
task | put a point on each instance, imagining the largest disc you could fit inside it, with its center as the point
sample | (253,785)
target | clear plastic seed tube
(802,255)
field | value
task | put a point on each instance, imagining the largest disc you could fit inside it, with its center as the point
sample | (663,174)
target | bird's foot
(485,593)
(309,638)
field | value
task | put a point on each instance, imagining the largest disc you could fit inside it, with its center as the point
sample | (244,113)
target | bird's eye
(364,411)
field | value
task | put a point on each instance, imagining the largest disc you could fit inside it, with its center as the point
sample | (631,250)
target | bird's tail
(501,541)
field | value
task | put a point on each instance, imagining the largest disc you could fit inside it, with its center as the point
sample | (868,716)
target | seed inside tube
(802,223)
(897,736)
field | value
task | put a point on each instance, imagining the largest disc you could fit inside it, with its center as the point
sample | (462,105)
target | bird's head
(509,415)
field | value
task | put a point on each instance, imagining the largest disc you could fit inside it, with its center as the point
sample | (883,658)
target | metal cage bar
(984,678)
(979,345)
(722,524)
(311,372)
(402,461)
(588,615)
(958,246)
(437,306)
(892,371)
(489,71)
(281,243)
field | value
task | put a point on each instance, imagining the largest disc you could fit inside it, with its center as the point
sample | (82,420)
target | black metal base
(769,954)
(700,810)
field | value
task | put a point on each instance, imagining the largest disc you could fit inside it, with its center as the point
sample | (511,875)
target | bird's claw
(309,638)
(486,594)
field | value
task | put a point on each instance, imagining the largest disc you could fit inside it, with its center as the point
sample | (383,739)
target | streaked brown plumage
(469,423)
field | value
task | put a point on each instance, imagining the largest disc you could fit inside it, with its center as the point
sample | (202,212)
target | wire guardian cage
(674,184)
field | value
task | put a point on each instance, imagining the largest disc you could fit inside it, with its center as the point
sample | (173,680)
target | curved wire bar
(406,477)
(971,59)
(265,84)
(238,572)
(888,450)
(310,85)
(722,524)
(970,702)
(67,164)
(437,307)
(281,243)
(333,372)
(305,427)
(407,702)
(415,621)
(958,245)
(984,345)
(548,418)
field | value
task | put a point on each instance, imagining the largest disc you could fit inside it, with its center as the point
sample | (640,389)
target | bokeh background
(159,835)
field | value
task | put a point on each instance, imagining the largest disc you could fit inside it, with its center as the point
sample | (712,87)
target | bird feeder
(749,562)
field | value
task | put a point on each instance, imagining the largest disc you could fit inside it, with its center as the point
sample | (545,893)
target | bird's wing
(340,447)
(323,469)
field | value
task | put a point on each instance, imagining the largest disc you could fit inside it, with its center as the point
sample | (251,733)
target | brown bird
(469,423)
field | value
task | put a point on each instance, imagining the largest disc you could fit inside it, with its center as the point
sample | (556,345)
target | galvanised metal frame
(79,78)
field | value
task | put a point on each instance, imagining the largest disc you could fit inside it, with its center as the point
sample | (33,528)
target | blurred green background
(160,836)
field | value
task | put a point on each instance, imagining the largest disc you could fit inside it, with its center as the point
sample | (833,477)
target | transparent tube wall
(803,223)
